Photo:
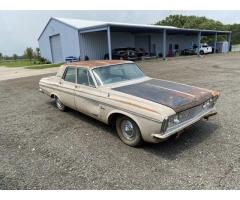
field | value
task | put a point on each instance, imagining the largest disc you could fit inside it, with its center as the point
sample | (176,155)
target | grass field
(18,63)
(33,64)
(43,66)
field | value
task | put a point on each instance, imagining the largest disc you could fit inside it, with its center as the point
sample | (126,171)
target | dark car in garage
(128,53)
(190,51)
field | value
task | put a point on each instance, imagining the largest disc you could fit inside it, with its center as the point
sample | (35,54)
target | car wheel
(201,52)
(59,104)
(128,131)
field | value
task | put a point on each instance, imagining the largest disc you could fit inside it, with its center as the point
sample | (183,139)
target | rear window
(70,75)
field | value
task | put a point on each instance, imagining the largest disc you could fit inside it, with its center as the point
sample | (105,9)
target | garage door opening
(56,48)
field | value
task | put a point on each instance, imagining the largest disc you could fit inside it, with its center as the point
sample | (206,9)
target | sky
(20,29)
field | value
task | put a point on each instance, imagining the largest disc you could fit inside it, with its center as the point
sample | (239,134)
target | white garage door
(56,48)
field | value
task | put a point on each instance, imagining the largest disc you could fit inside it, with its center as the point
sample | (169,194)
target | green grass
(34,64)
(18,63)
(43,66)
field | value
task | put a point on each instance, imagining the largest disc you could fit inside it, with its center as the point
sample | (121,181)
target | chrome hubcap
(127,129)
(59,104)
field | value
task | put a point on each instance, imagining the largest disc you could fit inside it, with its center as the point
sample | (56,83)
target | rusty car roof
(96,63)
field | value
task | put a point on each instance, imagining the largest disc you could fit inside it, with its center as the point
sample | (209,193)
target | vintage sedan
(118,93)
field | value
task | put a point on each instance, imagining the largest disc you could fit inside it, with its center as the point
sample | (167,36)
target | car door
(87,96)
(67,87)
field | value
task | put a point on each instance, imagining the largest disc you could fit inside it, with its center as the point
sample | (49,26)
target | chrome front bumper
(185,124)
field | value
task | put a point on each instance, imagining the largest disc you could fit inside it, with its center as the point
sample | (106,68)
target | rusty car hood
(177,96)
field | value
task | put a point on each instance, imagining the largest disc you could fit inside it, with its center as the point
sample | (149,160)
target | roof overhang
(138,28)
(144,29)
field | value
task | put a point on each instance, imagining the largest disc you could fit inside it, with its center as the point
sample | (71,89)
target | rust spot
(215,93)
(132,104)
(96,63)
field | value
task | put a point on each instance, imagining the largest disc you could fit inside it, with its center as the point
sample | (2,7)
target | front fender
(131,116)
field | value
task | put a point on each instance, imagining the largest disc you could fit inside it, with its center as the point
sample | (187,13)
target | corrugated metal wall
(122,39)
(184,41)
(94,45)
(69,40)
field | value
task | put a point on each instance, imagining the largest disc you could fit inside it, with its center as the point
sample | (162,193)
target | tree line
(29,54)
(195,22)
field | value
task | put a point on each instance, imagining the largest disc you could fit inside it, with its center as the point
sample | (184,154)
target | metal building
(63,37)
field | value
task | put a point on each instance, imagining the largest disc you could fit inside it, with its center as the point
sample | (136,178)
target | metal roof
(80,24)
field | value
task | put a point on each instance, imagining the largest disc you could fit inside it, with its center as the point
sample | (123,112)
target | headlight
(173,120)
(205,105)
(176,119)
(209,103)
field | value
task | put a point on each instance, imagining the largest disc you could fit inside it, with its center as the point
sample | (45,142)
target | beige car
(118,93)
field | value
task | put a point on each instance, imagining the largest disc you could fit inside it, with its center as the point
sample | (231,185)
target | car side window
(84,78)
(70,75)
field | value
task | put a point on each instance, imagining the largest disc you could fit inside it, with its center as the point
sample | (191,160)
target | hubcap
(127,129)
(59,104)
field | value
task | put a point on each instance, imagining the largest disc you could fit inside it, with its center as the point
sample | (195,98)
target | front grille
(179,118)
(184,116)
(190,113)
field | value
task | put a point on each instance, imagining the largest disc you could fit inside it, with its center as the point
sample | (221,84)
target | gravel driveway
(43,148)
(7,73)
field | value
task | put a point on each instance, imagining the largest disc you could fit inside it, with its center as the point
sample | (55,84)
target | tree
(1,56)
(235,28)
(28,53)
(196,22)
(15,57)
(38,53)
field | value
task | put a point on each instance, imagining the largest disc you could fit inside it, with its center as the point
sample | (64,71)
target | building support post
(164,44)
(109,43)
(199,42)
(215,43)
(229,36)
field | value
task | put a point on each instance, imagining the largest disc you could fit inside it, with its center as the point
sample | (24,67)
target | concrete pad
(7,73)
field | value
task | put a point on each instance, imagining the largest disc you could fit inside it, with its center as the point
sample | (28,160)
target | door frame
(51,48)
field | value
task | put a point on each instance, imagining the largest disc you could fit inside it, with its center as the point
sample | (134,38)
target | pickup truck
(205,49)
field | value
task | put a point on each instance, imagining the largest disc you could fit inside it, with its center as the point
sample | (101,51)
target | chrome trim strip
(122,109)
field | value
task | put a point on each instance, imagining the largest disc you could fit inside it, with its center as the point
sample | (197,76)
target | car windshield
(117,73)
